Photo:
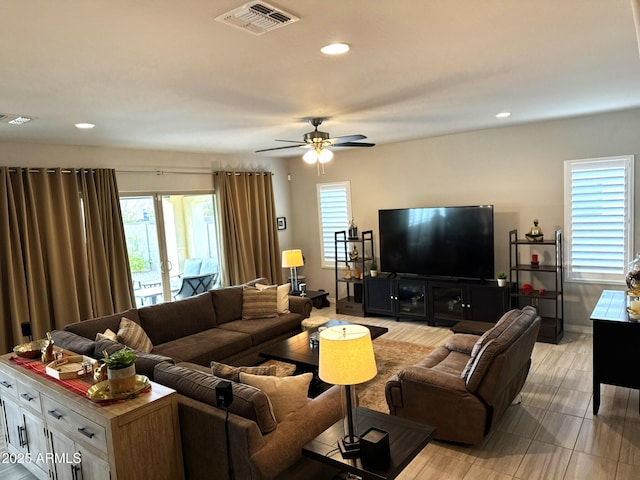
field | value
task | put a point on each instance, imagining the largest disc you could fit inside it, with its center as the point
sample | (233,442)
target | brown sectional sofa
(465,386)
(197,329)
(260,449)
(193,332)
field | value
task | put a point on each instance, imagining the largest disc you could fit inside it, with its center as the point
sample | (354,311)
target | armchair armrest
(461,342)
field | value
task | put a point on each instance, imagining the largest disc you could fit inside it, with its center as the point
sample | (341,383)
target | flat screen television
(438,241)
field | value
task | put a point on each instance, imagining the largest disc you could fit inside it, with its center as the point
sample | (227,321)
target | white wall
(518,169)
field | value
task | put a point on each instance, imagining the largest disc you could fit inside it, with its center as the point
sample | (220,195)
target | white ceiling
(163,74)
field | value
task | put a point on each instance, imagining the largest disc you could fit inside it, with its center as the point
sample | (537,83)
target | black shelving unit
(548,275)
(350,294)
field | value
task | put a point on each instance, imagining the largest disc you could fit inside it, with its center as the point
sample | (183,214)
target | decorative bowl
(31,349)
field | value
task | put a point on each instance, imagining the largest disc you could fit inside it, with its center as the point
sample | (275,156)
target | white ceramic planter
(122,380)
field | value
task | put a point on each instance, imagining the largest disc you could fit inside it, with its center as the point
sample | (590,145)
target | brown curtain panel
(248,226)
(46,277)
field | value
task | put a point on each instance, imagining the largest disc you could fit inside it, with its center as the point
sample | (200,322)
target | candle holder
(535,263)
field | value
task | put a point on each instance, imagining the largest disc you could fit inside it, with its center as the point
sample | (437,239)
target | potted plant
(121,370)
(502,279)
(373,268)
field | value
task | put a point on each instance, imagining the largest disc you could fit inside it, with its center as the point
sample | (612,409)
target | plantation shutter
(599,218)
(334,204)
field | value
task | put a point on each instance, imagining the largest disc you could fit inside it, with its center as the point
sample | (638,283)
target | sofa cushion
(286,394)
(108,334)
(202,347)
(232,373)
(282,305)
(227,303)
(171,320)
(258,303)
(490,334)
(90,328)
(145,362)
(248,402)
(262,330)
(479,364)
(75,343)
(133,336)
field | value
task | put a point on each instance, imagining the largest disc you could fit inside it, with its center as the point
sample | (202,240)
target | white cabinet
(26,435)
(73,438)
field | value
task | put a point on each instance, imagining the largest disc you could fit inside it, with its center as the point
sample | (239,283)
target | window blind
(599,218)
(334,212)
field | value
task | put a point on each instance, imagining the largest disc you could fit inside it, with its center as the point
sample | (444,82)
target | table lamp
(346,358)
(292,259)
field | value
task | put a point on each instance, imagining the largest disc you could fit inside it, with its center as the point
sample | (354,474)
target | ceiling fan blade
(347,138)
(354,144)
(291,141)
(281,148)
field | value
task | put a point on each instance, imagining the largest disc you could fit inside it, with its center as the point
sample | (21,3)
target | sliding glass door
(166,233)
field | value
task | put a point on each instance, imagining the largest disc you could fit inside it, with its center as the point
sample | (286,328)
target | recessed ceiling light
(503,115)
(335,49)
(19,120)
(85,126)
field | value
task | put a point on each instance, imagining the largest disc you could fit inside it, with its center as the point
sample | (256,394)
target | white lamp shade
(346,355)
(325,155)
(310,157)
(292,258)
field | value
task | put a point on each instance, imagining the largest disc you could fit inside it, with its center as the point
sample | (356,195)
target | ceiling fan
(318,142)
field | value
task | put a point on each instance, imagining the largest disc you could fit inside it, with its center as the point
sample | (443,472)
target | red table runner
(75,385)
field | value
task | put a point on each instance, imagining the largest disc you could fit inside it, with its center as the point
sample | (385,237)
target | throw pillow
(229,372)
(108,334)
(286,394)
(283,295)
(133,336)
(259,303)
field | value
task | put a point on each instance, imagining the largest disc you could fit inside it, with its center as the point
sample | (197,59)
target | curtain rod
(155,172)
(179,172)
(237,174)
(53,170)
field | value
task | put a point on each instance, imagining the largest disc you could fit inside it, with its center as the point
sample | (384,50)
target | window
(334,212)
(598,218)
(162,232)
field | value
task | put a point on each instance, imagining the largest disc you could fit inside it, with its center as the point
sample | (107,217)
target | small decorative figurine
(353,254)
(47,352)
(353,230)
(347,273)
(357,273)
(535,234)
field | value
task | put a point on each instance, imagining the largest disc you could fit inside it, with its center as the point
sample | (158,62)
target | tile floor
(552,434)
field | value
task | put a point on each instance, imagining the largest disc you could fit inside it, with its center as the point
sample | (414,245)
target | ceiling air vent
(257,18)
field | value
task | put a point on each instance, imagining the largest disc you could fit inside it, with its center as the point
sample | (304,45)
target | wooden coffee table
(406,439)
(299,351)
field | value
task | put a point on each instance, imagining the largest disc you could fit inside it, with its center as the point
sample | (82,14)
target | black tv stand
(435,300)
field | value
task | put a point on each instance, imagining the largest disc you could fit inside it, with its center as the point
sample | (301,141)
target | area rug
(391,356)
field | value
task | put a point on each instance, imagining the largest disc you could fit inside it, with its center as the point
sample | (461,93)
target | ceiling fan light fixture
(310,157)
(335,48)
(325,155)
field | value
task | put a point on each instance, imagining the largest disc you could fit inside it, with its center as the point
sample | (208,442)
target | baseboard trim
(578,329)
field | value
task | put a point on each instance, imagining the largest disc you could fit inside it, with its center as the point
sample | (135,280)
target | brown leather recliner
(466,386)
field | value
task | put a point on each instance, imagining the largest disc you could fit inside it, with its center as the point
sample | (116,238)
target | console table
(56,433)
(615,344)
